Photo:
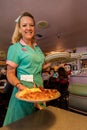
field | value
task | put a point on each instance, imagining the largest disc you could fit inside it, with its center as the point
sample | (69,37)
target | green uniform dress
(28,62)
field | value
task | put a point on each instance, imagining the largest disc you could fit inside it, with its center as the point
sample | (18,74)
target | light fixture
(42,24)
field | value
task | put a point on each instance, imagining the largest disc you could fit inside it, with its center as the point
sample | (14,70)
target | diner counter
(79,76)
(51,118)
(78,79)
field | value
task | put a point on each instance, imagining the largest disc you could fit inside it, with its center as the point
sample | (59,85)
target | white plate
(60,57)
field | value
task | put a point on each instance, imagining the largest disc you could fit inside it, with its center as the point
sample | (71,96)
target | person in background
(63,83)
(25,61)
(68,69)
(53,79)
(7,86)
(63,78)
(45,76)
(3,77)
(53,84)
(3,73)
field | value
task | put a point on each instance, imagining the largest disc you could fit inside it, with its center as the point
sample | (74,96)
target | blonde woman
(24,59)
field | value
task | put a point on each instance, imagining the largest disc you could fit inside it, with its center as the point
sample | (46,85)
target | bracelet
(17,84)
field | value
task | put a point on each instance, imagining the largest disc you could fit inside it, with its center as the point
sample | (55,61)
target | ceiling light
(42,24)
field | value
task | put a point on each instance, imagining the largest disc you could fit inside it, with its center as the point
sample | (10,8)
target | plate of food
(37,94)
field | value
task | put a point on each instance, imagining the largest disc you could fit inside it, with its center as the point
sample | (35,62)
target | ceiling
(67,22)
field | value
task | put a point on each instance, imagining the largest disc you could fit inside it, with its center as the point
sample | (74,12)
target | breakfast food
(38,94)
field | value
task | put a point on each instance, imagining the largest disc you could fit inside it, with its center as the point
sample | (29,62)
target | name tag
(28,78)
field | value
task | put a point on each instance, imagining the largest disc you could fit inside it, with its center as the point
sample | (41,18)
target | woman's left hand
(46,65)
(39,106)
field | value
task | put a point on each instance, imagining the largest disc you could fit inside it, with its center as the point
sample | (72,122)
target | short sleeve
(12,55)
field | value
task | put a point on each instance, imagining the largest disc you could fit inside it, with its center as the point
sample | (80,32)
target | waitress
(24,62)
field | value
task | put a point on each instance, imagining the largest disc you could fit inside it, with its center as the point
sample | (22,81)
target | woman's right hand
(21,87)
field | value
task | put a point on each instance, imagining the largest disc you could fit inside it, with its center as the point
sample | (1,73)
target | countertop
(79,75)
(50,118)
